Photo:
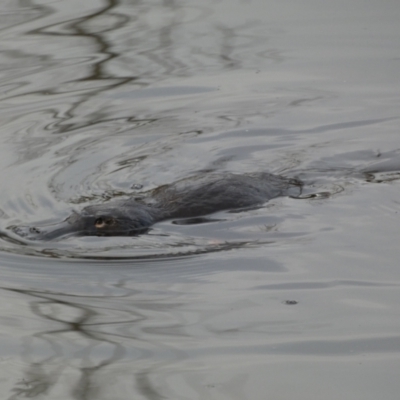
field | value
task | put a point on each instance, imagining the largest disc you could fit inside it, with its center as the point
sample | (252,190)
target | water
(294,300)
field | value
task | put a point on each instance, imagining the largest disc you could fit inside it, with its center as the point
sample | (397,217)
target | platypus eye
(101,222)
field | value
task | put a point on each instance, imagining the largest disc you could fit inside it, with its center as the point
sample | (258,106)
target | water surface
(297,299)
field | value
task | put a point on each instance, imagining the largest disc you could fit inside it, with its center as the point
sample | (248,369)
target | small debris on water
(290,302)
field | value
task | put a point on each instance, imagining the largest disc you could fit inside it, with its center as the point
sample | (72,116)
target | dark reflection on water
(122,49)
(96,69)
(181,249)
(39,378)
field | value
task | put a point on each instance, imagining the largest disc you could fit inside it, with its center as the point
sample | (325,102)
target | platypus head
(112,219)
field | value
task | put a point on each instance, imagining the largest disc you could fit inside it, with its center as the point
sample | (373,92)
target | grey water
(297,299)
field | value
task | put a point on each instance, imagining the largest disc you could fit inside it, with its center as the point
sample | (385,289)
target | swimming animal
(187,198)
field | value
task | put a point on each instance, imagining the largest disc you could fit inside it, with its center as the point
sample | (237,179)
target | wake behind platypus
(187,198)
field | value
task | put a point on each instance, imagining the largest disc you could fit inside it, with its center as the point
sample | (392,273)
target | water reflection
(92,29)
(130,249)
(84,340)
(117,45)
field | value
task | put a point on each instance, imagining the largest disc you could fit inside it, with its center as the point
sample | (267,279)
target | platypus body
(187,198)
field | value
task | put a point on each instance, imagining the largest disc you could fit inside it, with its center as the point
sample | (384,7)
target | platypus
(190,197)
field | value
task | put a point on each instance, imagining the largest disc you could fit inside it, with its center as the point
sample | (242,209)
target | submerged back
(203,195)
